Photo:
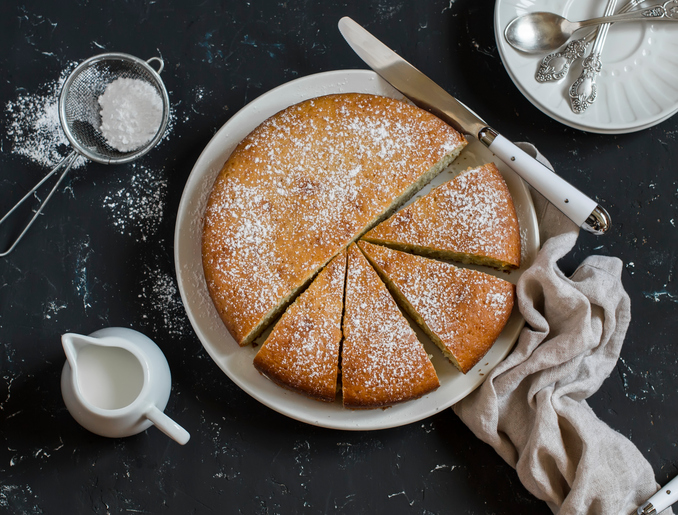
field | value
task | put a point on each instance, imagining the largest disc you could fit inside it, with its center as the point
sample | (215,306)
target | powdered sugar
(382,360)
(303,185)
(164,311)
(463,310)
(137,205)
(131,113)
(34,128)
(33,124)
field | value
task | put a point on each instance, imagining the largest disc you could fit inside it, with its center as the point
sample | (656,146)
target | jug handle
(167,425)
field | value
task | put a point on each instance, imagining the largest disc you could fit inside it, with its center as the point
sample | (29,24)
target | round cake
(306,184)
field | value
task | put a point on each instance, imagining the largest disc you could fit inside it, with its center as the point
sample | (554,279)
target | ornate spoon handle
(584,90)
(556,65)
(668,11)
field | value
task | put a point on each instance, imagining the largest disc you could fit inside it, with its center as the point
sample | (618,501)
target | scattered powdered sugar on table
(137,207)
(160,296)
(131,113)
(52,308)
(33,125)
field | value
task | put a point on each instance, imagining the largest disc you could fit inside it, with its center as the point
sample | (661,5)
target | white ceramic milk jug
(116,382)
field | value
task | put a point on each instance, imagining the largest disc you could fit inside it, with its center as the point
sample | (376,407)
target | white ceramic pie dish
(236,362)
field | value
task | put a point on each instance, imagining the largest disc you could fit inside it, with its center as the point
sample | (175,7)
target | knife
(425,93)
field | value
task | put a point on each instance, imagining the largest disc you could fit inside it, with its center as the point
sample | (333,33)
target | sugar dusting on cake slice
(463,311)
(470,219)
(382,362)
(302,351)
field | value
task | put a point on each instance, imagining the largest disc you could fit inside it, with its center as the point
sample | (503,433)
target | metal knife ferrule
(598,222)
(647,509)
(487,136)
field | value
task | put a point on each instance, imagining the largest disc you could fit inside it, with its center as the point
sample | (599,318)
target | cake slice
(461,310)
(382,361)
(302,186)
(470,219)
(302,351)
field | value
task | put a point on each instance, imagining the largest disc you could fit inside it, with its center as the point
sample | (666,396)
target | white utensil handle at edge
(572,202)
(664,498)
(167,425)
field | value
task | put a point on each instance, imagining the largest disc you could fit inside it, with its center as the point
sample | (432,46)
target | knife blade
(425,93)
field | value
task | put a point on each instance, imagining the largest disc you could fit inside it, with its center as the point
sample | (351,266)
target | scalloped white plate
(235,361)
(638,85)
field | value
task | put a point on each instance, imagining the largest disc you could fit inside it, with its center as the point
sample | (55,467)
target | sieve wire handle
(66,163)
(161,64)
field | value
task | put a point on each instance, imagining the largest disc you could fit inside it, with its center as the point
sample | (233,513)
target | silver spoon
(541,32)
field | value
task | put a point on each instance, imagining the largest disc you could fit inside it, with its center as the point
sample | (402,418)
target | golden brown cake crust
(301,187)
(462,310)
(383,362)
(469,219)
(302,351)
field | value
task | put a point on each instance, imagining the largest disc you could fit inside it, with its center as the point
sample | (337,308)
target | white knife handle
(579,208)
(661,500)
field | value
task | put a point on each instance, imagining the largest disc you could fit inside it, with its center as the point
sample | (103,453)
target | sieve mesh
(80,110)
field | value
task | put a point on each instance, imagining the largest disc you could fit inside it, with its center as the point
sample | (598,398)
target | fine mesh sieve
(79,113)
(79,104)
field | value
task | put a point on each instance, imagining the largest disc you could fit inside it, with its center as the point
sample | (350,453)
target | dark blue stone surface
(102,255)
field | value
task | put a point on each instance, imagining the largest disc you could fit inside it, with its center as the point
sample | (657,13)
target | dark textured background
(88,263)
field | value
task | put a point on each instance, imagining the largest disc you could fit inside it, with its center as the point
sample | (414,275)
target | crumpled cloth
(532,407)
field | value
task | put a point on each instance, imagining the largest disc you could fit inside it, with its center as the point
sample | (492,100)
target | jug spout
(73,344)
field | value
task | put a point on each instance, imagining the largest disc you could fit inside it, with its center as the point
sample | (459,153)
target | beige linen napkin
(532,407)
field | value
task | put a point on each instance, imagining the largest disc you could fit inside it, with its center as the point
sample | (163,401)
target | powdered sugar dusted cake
(470,219)
(382,361)
(461,310)
(302,351)
(301,187)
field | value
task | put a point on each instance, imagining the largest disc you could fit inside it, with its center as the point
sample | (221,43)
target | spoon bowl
(538,32)
(541,32)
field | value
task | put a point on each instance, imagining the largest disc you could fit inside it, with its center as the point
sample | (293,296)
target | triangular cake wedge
(470,219)
(302,351)
(301,187)
(461,310)
(382,361)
